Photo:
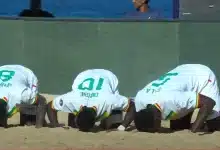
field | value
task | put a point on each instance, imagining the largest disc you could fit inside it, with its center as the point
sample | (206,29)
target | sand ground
(29,137)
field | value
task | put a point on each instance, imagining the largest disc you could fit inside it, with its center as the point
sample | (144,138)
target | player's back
(197,75)
(186,77)
(12,75)
(102,104)
(95,80)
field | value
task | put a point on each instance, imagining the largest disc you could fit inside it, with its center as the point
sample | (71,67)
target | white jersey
(94,81)
(188,78)
(97,88)
(173,105)
(18,84)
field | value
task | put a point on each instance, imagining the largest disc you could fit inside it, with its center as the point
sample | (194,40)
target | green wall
(200,43)
(137,52)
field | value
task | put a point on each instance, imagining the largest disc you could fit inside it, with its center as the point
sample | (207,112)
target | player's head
(3,108)
(148,120)
(86,118)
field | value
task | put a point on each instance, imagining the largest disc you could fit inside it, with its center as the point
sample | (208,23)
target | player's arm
(129,116)
(52,115)
(62,103)
(30,95)
(206,105)
(52,108)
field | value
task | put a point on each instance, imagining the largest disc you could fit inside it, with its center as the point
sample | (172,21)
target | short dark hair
(86,119)
(145,119)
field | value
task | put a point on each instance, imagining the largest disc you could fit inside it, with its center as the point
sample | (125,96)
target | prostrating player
(19,85)
(93,98)
(176,95)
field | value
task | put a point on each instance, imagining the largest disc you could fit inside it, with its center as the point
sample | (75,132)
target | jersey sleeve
(65,103)
(30,93)
(32,83)
(187,100)
(119,102)
(113,82)
(141,100)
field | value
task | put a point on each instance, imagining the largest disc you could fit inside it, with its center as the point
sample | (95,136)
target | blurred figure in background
(141,5)
(35,10)
(143,11)
(35,13)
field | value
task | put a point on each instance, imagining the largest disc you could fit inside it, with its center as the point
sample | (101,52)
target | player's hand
(120,128)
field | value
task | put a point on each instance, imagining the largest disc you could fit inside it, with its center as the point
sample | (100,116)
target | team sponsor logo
(153,90)
(5,77)
(88,94)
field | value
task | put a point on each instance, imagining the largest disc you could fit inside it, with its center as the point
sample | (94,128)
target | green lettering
(88,84)
(163,79)
(6,75)
(89,81)
(89,95)
(100,83)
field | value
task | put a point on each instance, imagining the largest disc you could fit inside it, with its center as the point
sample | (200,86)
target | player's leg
(71,120)
(38,113)
(210,89)
(113,121)
(182,123)
(213,124)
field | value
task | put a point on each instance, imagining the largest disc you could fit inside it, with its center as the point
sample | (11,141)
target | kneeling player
(18,92)
(172,106)
(185,78)
(93,98)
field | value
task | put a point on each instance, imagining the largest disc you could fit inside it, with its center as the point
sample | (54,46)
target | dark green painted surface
(58,51)
(200,43)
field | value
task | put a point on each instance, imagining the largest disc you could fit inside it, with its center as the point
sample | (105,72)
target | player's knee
(86,119)
(213,124)
(71,120)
